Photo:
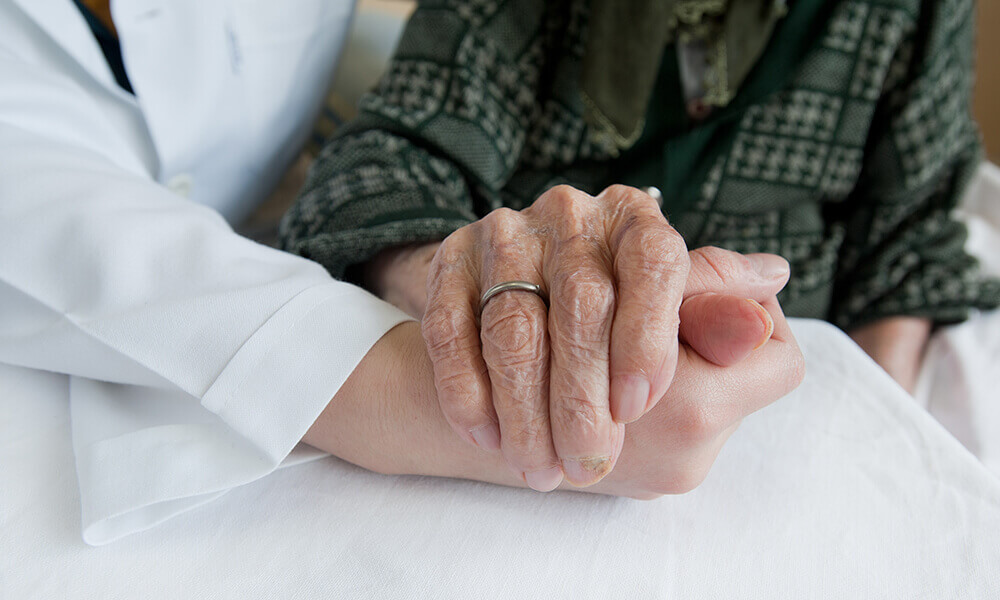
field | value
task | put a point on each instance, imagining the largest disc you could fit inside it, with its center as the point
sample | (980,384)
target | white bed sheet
(844,489)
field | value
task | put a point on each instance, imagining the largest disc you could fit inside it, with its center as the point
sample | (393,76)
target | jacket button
(181,185)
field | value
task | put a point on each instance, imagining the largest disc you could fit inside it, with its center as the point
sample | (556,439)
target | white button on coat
(181,185)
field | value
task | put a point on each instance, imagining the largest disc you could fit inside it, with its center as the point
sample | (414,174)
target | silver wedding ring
(509,286)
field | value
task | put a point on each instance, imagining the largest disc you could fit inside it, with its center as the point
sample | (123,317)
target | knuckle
(451,250)
(619,189)
(666,239)
(625,199)
(653,250)
(450,256)
(586,298)
(456,394)
(578,416)
(567,208)
(458,241)
(719,265)
(459,397)
(527,442)
(441,331)
(516,386)
(501,216)
(503,225)
(517,382)
(695,424)
(560,196)
(512,333)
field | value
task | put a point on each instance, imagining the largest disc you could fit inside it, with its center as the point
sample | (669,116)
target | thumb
(724,329)
(757,276)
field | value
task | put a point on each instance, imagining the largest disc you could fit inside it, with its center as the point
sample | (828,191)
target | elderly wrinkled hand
(552,386)
(387,416)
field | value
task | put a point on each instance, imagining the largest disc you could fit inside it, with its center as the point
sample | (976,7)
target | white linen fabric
(844,489)
(198,358)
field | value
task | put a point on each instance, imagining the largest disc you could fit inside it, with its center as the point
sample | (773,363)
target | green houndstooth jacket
(844,150)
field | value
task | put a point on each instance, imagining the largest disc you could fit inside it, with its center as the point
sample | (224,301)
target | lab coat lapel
(184,66)
(62,21)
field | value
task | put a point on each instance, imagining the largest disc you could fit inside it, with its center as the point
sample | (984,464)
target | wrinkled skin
(387,418)
(552,387)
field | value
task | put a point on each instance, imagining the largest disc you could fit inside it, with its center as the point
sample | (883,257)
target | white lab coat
(197,358)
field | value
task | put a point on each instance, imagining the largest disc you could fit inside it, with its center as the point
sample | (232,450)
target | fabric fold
(145,455)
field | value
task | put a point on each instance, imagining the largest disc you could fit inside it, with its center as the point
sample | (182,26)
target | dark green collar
(675,153)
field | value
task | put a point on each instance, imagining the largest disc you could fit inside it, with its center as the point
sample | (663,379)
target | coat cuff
(264,400)
(283,377)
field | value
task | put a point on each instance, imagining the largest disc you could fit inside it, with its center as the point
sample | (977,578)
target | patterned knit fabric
(844,151)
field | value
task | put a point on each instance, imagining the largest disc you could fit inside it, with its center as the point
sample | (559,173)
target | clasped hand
(634,323)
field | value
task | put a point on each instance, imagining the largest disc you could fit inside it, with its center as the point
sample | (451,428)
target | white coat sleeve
(200,357)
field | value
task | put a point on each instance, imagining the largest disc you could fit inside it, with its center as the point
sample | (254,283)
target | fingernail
(487,437)
(766,318)
(629,396)
(545,480)
(582,472)
(769,266)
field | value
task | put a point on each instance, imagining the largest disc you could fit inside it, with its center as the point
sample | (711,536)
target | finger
(724,329)
(703,406)
(451,331)
(675,469)
(706,398)
(651,267)
(516,350)
(756,276)
(581,309)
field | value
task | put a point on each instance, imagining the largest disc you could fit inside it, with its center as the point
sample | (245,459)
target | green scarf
(626,40)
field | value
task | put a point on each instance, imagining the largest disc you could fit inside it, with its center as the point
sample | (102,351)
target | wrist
(897,345)
(386,418)
(398,275)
